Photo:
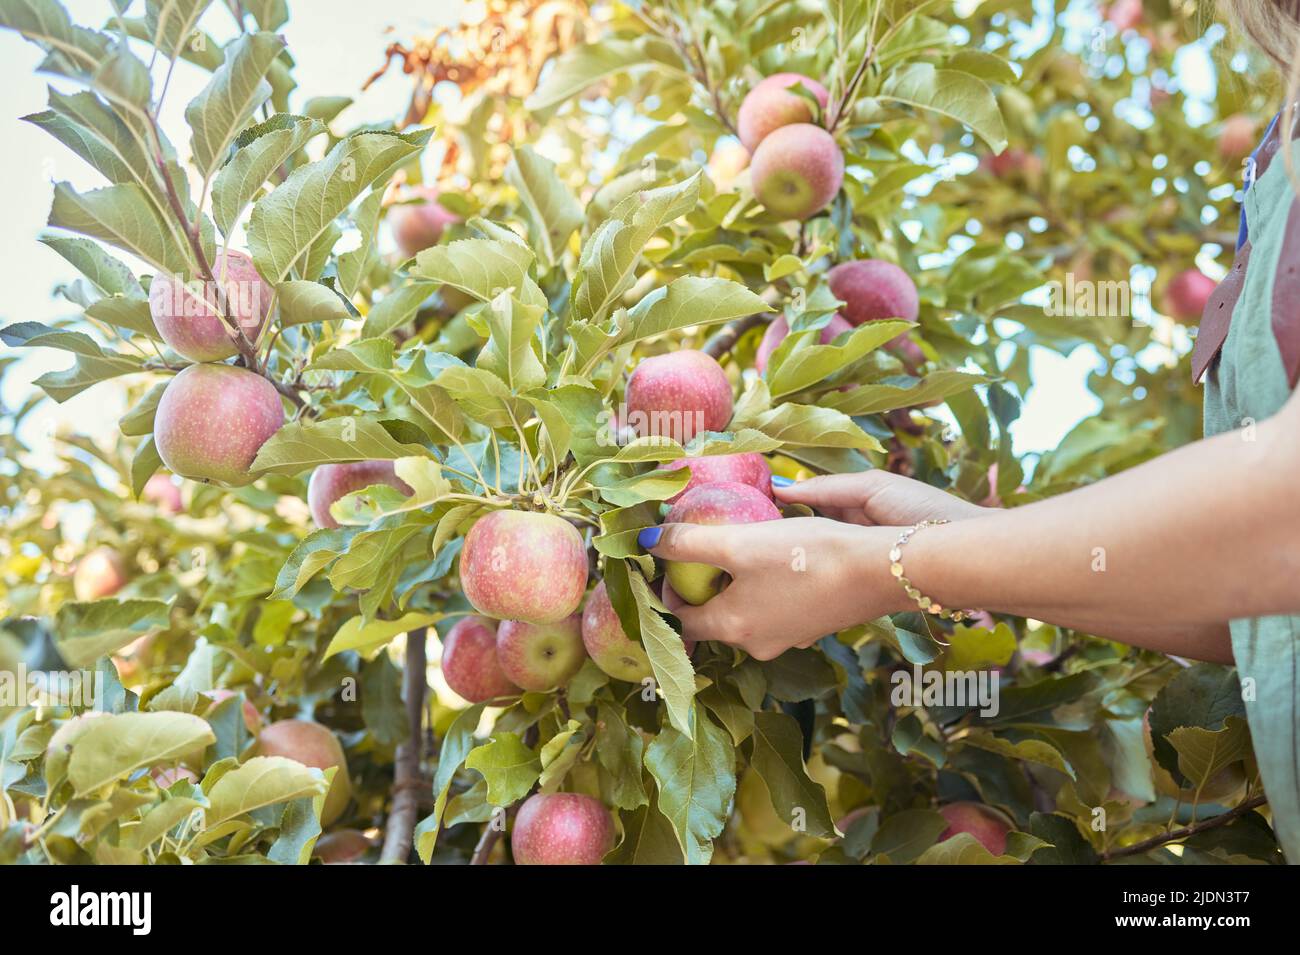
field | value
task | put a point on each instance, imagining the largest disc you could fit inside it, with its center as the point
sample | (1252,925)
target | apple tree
(667,246)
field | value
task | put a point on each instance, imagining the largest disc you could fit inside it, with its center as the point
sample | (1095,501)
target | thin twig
(1174,835)
(726,339)
(407,781)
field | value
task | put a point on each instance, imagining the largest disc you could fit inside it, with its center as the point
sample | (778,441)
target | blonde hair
(1274,26)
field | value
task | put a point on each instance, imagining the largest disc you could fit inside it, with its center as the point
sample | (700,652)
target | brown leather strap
(1286,297)
(1217,317)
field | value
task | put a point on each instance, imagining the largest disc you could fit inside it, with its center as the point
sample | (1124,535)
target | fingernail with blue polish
(778,481)
(649,537)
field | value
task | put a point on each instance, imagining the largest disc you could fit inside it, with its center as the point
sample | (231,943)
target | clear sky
(337,44)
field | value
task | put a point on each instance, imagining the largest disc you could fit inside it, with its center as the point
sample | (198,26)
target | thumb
(696,543)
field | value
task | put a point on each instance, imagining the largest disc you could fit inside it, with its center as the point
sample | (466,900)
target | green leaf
(952,93)
(553,213)
(974,648)
(93,363)
(961,849)
(809,426)
(648,839)
(456,745)
(871,399)
(511,351)
(226,104)
(262,781)
(587,65)
(778,758)
(109,275)
(172,23)
(144,464)
(509,767)
(1028,750)
(691,301)
(672,668)
(290,220)
(302,445)
(122,216)
(651,486)
(312,555)
(800,362)
(305,302)
(847,18)
(905,835)
(259,152)
(396,308)
(139,420)
(605,268)
(74,49)
(115,746)
(269,14)
(1203,753)
(482,268)
(619,751)
(697,782)
(357,634)
(84,632)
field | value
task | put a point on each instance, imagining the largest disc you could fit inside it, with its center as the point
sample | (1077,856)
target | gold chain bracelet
(922,601)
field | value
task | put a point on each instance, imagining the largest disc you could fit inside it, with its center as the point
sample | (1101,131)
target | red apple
(469,661)
(1187,294)
(873,289)
(329,482)
(213,419)
(771,105)
(727,161)
(1011,163)
(312,745)
(342,847)
(419,225)
(1124,14)
(796,171)
(162,491)
(779,329)
(1237,138)
(561,829)
(541,656)
(167,777)
(748,468)
(678,395)
(188,315)
(725,502)
(607,644)
(986,824)
(99,574)
(522,565)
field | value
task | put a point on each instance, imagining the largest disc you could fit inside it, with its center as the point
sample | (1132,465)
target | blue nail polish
(649,537)
(778,481)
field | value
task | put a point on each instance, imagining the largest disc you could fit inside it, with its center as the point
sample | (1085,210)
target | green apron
(1247,380)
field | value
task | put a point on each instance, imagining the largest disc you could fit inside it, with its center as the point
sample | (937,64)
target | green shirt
(1246,384)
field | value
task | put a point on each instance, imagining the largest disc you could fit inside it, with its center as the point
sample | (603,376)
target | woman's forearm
(1203,535)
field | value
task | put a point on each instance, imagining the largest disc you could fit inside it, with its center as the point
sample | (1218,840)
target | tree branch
(1174,835)
(407,781)
(725,340)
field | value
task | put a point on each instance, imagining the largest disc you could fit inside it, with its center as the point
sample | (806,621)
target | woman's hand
(793,581)
(876,497)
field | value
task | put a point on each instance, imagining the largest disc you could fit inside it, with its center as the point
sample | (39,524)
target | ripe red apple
(1012,162)
(167,777)
(1186,295)
(342,847)
(541,656)
(1237,138)
(419,225)
(986,824)
(873,289)
(607,644)
(252,718)
(521,565)
(725,502)
(162,491)
(797,170)
(561,829)
(213,419)
(779,330)
(748,468)
(469,661)
(312,745)
(329,482)
(188,315)
(99,574)
(678,395)
(770,105)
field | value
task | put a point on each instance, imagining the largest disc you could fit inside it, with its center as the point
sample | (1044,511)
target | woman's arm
(1162,555)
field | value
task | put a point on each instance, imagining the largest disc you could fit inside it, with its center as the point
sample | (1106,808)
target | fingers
(694,543)
(830,491)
